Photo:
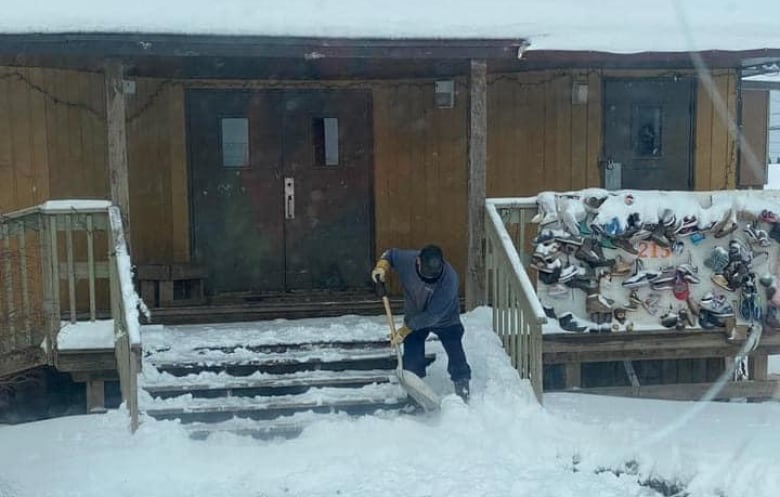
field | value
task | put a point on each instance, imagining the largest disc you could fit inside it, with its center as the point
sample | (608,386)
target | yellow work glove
(379,274)
(397,337)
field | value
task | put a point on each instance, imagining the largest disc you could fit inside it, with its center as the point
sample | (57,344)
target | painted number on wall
(650,250)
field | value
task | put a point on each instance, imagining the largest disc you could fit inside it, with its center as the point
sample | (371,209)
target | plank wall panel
(753,151)
(7,177)
(420,169)
(715,157)
(150,126)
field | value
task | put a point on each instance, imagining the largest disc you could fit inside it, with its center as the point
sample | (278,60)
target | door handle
(289,198)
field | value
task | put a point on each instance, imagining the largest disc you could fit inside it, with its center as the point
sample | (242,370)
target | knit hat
(431,262)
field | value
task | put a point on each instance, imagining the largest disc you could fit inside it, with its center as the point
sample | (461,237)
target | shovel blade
(418,390)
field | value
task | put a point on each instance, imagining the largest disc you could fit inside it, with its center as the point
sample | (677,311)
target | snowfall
(502,443)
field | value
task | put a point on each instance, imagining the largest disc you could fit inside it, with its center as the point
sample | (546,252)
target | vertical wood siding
(715,151)
(537,139)
(159,200)
(420,161)
(53,145)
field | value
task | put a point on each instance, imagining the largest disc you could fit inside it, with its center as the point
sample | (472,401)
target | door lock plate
(289,198)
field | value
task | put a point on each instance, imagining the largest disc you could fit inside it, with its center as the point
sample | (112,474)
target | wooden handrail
(517,313)
(124,310)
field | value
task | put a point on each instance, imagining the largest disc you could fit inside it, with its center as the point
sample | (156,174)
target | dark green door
(280,189)
(648,131)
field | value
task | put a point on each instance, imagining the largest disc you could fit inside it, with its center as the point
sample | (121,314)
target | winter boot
(462,389)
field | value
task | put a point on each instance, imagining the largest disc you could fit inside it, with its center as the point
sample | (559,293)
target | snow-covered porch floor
(502,443)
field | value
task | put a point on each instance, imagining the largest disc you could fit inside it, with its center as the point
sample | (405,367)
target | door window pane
(647,131)
(235,142)
(325,132)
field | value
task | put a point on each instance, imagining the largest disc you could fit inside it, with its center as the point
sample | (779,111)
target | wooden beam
(96,396)
(302,48)
(85,360)
(117,141)
(693,391)
(475,264)
(598,347)
(758,366)
(573,375)
(21,360)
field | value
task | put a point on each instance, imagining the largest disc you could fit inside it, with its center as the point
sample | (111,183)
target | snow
(607,25)
(132,302)
(52,206)
(86,335)
(502,443)
(252,334)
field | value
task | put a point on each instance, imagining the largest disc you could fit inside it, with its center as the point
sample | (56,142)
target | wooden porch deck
(572,351)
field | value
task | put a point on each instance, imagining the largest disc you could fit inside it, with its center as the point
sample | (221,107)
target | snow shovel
(413,384)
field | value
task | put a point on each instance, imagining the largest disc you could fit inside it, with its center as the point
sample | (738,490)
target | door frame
(692,112)
(189,91)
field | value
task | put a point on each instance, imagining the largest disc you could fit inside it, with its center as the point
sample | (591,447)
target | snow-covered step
(244,363)
(283,427)
(366,399)
(283,347)
(213,385)
(269,378)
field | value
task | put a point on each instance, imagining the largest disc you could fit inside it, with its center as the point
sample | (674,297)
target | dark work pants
(414,352)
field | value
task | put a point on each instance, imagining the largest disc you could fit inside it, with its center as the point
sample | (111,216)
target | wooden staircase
(270,389)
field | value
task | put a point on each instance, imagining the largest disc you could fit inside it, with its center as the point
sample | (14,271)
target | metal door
(281,188)
(648,133)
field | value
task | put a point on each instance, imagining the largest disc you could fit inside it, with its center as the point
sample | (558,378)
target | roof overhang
(139,44)
(713,58)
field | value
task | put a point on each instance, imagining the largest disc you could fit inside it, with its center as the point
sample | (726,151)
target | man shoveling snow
(430,286)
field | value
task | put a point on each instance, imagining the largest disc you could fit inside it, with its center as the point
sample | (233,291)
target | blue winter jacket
(425,305)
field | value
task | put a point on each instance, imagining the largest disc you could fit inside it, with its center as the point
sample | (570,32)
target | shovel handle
(389,314)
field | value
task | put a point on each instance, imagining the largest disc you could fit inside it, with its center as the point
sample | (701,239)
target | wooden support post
(475,272)
(758,365)
(117,141)
(573,374)
(96,396)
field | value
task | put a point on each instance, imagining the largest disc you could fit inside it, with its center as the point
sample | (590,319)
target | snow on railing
(517,313)
(124,309)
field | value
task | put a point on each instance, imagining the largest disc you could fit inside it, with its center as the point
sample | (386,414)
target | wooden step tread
(275,405)
(279,348)
(283,363)
(198,358)
(332,378)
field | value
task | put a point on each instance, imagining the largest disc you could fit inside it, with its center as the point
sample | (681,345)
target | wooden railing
(28,319)
(517,313)
(51,268)
(124,309)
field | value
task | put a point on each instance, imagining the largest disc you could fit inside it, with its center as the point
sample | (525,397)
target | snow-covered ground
(502,443)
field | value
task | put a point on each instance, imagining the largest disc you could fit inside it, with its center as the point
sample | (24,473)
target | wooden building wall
(157,169)
(52,136)
(53,145)
(539,140)
(715,149)
(420,169)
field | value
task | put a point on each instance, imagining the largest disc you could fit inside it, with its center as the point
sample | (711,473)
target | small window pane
(648,131)
(325,133)
(235,142)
